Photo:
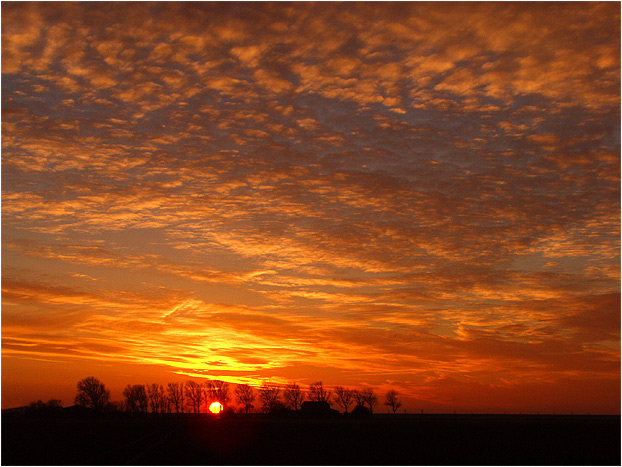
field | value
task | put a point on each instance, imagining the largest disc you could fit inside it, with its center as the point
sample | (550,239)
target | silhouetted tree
(392,401)
(370,398)
(359,397)
(245,396)
(293,396)
(152,394)
(136,399)
(175,393)
(269,396)
(195,394)
(157,399)
(92,393)
(37,406)
(207,393)
(220,391)
(344,397)
(317,393)
(113,406)
(43,408)
(165,402)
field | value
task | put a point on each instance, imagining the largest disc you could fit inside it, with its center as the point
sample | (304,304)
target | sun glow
(215,407)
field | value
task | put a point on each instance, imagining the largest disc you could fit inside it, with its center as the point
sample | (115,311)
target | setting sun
(215,407)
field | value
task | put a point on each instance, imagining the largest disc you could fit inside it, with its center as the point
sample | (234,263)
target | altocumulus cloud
(424,196)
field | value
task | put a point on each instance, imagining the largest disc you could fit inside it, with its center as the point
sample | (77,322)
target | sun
(215,407)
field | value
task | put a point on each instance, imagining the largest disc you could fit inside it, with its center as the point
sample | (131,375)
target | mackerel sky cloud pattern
(424,196)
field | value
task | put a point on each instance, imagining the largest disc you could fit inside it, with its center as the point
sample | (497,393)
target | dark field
(238,440)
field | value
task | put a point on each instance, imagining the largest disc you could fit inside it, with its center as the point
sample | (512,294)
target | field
(382,440)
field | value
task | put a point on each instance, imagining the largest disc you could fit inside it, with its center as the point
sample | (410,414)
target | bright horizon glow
(415,196)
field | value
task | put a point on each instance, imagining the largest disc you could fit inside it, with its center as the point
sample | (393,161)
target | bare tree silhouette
(245,396)
(344,397)
(195,394)
(392,401)
(220,391)
(175,393)
(317,393)
(269,396)
(293,396)
(136,399)
(370,398)
(165,401)
(359,397)
(208,393)
(92,393)
(157,399)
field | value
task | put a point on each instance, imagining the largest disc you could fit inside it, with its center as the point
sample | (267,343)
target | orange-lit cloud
(423,196)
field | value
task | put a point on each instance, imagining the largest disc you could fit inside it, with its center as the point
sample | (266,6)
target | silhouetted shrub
(52,408)
(78,411)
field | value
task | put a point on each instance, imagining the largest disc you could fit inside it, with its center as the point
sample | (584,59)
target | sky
(417,196)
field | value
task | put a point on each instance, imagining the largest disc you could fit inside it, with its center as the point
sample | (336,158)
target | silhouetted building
(360,411)
(312,409)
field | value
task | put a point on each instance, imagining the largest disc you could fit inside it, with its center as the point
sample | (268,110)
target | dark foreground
(237,440)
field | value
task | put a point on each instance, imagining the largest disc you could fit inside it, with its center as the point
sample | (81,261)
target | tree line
(195,397)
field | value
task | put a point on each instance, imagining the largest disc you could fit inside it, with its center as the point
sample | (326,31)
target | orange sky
(419,196)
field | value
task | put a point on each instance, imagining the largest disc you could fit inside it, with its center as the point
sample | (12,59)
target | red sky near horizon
(418,196)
